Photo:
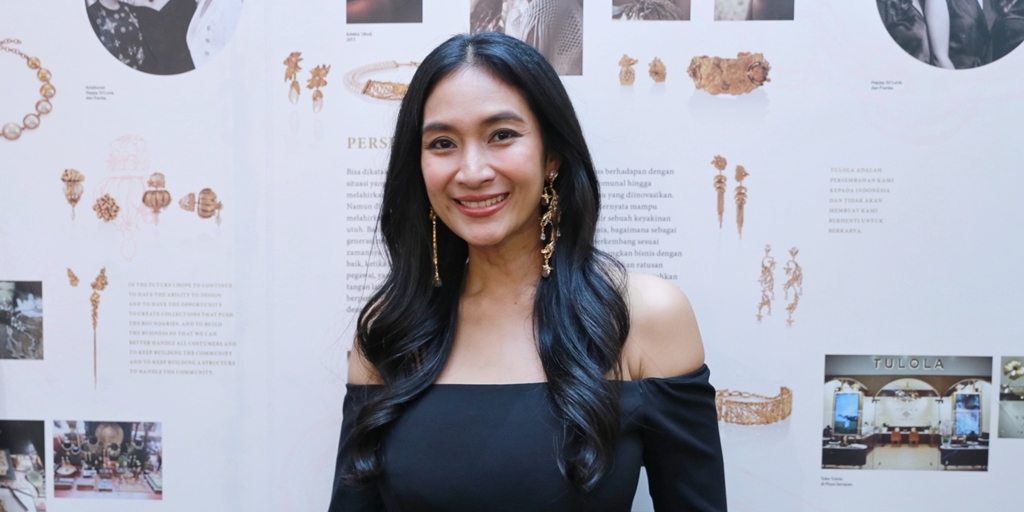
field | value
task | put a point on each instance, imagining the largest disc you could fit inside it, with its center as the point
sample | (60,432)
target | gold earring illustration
(741,196)
(794,283)
(767,281)
(72,187)
(317,80)
(158,198)
(720,163)
(657,70)
(549,221)
(626,74)
(106,208)
(433,240)
(292,69)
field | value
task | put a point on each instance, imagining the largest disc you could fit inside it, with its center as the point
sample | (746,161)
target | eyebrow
(505,115)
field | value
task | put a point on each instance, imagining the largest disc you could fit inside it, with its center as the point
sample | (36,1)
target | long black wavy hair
(580,316)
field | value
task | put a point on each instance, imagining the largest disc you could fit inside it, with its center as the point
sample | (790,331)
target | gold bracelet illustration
(13,130)
(716,75)
(354,80)
(744,408)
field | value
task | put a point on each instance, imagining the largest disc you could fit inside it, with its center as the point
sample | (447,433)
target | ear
(552,163)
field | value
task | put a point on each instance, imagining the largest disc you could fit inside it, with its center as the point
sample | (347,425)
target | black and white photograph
(906,412)
(384,11)
(651,10)
(754,10)
(164,37)
(954,34)
(22,470)
(21,320)
(553,27)
(1011,398)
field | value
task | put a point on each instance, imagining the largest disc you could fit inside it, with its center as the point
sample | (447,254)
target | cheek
(435,174)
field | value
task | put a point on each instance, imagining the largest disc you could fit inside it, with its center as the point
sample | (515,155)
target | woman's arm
(663,337)
(936,16)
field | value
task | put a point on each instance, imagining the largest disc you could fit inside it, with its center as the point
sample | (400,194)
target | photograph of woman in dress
(506,363)
(164,37)
(954,34)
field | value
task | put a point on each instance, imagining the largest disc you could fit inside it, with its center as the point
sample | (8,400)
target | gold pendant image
(158,198)
(767,282)
(72,188)
(719,162)
(292,69)
(657,70)
(627,75)
(794,284)
(741,75)
(106,208)
(741,197)
(318,79)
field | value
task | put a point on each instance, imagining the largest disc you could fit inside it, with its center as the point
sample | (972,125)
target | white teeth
(483,204)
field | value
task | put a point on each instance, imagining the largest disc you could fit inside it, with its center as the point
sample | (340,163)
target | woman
(116,24)
(904,19)
(505,363)
(958,32)
(1008,27)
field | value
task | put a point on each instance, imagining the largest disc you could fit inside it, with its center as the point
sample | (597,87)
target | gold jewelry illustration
(657,70)
(720,163)
(97,286)
(627,75)
(72,187)
(376,88)
(744,408)
(158,198)
(13,130)
(72,278)
(318,79)
(207,205)
(188,203)
(741,196)
(433,238)
(292,69)
(767,281)
(1014,370)
(549,221)
(106,208)
(716,75)
(649,10)
(795,283)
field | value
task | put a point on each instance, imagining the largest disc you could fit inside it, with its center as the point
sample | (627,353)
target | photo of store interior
(1011,398)
(120,460)
(907,413)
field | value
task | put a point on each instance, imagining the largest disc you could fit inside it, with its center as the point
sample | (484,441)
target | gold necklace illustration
(13,130)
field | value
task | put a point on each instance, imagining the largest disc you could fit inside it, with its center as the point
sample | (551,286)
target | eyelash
(510,134)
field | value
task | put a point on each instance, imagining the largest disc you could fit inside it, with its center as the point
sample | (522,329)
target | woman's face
(483,160)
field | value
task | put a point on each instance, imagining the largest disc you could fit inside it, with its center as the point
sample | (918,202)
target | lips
(480,206)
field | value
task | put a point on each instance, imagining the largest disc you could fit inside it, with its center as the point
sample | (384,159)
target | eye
(441,144)
(504,135)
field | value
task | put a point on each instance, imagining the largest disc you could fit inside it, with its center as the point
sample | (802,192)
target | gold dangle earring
(549,221)
(292,68)
(433,237)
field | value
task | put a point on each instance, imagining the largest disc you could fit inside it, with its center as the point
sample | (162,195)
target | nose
(475,169)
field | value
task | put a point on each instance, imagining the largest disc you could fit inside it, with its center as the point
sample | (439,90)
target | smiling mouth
(483,204)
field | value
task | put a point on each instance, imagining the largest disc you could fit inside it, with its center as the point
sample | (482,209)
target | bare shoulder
(663,340)
(360,371)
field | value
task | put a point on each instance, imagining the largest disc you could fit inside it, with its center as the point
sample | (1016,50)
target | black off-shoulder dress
(469,447)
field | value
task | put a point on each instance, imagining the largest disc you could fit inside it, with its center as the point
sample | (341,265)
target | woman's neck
(511,270)
(113,5)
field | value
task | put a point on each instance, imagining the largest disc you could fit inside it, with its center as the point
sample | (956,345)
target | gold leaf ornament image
(72,278)
(657,70)
(106,208)
(741,75)
(318,79)
(72,187)
(767,282)
(291,71)
(158,198)
(627,75)
(188,203)
(794,284)
(741,197)
(719,162)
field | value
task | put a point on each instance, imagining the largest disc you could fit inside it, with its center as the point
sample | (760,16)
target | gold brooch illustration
(626,74)
(716,75)
(106,208)
(657,70)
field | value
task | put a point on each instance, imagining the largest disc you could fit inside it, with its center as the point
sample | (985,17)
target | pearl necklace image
(13,130)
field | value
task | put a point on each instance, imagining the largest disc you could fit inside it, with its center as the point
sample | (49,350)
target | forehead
(472,94)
